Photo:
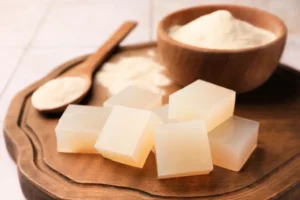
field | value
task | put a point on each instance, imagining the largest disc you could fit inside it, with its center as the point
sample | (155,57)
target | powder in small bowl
(221,30)
(58,92)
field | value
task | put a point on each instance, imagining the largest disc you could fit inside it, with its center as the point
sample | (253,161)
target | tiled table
(37,35)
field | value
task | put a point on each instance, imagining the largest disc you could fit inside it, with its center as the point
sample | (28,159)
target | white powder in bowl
(136,70)
(58,92)
(220,30)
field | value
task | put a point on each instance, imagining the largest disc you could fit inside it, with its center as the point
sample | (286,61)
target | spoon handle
(92,62)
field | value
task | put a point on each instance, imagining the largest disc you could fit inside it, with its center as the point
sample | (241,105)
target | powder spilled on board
(136,70)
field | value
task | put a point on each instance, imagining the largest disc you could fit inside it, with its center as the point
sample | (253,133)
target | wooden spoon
(85,70)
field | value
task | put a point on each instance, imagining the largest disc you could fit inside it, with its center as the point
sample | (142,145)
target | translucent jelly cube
(78,128)
(135,97)
(162,112)
(182,149)
(127,137)
(204,101)
(232,142)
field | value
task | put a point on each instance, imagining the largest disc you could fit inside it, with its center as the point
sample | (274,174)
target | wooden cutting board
(273,170)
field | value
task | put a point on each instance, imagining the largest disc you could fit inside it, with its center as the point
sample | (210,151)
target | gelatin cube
(162,112)
(127,137)
(78,128)
(232,142)
(182,149)
(204,101)
(135,97)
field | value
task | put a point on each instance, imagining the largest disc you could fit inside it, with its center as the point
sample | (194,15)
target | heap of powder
(58,92)
(220,30)
(136,70)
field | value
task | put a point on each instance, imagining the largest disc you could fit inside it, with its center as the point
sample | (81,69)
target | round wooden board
(273,170)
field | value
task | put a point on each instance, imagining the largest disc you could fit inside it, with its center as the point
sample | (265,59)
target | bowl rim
(163,33)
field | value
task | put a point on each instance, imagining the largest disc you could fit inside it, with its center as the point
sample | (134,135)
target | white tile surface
(9,183)
(36,63)
(291,55)
(289,12)
(84,23)
(19,21)
(9,58)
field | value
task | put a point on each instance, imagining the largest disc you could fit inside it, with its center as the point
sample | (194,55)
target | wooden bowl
(241,70)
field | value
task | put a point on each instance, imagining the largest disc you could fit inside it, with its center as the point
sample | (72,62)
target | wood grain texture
(240,70)
(273,170)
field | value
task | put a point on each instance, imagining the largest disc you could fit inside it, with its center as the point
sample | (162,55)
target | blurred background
(38,35)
